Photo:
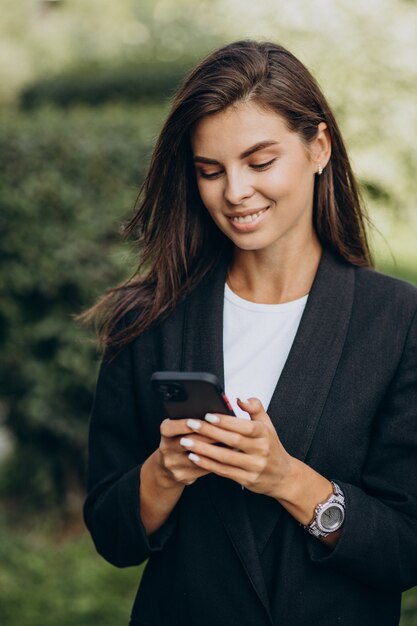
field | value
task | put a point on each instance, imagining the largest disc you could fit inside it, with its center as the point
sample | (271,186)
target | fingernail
(193,457)
(188,443)
(213,419)
(243,401)
(194,424)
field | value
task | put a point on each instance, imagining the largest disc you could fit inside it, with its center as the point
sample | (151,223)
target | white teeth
(247,218)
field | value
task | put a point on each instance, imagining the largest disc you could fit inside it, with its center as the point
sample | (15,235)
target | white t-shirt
(257,339)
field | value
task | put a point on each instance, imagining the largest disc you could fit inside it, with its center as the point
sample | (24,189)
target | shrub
(46,580)
(96,85)
(68,179)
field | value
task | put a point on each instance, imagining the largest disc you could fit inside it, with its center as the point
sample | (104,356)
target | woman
(258,270)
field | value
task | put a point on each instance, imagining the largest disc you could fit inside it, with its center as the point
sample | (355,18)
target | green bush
(95,85)
(68,180)
(45,581)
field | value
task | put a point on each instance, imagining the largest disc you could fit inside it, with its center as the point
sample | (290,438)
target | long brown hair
(177,240)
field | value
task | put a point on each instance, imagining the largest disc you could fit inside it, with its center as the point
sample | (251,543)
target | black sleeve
(378,544)
(116,453)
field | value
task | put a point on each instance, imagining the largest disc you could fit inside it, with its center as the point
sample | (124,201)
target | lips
(247,221)
(246,217)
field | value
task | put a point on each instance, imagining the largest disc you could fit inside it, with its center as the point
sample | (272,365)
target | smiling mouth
(247,219)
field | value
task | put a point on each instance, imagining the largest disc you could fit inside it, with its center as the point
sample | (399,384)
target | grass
(409,608)
(46,580)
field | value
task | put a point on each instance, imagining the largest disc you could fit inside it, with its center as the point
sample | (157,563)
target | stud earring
(320,170)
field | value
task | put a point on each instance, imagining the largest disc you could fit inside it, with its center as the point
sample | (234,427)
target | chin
(250,244)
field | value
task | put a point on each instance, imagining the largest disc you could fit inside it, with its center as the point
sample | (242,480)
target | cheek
(274,186)
(292,181)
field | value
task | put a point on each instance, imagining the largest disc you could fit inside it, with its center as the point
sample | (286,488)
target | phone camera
(172,392)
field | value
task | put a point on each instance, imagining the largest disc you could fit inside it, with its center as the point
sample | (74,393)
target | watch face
(332,517)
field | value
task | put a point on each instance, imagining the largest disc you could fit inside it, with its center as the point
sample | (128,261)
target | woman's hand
(257,460)
(255,457)
(165,474)
(173,460)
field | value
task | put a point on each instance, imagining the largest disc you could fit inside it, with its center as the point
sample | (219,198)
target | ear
(321,147)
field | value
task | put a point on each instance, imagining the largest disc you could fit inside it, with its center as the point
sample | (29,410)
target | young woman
(255,267)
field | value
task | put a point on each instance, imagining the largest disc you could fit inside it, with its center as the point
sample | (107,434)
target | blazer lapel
(304,384)
(203,351)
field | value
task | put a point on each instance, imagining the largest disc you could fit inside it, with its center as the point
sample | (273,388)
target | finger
(173,443)
(198,437)
(225,456)
(226,428)
(174,427)
(237,474)
(170,446)
(255,408)
(181,467)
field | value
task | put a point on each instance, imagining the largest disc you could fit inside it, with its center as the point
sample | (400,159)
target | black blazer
(346,404)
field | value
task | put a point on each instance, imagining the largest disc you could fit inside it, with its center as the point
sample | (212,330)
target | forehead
(238,126)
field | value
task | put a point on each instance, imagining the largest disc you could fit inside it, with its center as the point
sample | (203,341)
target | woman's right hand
(173,458)
(165,474)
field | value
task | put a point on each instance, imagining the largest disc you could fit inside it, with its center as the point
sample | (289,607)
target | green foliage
(45,582)
(67,179)
(409,608)
(93,85)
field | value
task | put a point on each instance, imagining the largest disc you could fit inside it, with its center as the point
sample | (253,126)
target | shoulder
(372,294)
(379,282)
(384,303)
(377,286)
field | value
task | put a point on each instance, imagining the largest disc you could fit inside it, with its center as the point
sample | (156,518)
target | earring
(320,170)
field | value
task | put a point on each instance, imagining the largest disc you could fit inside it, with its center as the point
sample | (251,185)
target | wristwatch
(328,515)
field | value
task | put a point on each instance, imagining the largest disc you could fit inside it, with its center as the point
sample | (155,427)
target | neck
(274,277)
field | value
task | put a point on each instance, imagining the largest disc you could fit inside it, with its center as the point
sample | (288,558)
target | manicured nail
(213,419)
(194,424)
(188,443)
(193,457)
(243,401)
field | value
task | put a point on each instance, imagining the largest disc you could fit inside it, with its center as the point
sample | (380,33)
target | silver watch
(328,515)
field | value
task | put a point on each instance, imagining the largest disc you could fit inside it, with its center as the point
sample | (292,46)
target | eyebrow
(255,148)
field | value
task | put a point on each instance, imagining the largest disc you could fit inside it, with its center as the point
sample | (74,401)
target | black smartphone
(190,394)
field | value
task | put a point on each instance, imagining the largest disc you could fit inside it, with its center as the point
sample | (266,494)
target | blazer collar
(298,399)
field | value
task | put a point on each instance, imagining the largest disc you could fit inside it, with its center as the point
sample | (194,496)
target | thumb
(255,408)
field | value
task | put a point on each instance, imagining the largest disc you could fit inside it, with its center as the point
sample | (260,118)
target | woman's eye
(262,166)
(258,167)
(212,175)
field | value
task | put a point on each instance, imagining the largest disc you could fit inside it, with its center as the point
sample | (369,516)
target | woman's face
(256,177)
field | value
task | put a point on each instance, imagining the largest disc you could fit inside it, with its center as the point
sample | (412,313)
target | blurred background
(84,88)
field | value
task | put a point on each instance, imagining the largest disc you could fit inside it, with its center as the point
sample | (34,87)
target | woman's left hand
(255,457)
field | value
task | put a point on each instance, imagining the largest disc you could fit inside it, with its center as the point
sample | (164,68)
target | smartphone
(190,394)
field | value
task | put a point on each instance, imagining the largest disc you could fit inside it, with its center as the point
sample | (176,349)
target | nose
(238,188)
